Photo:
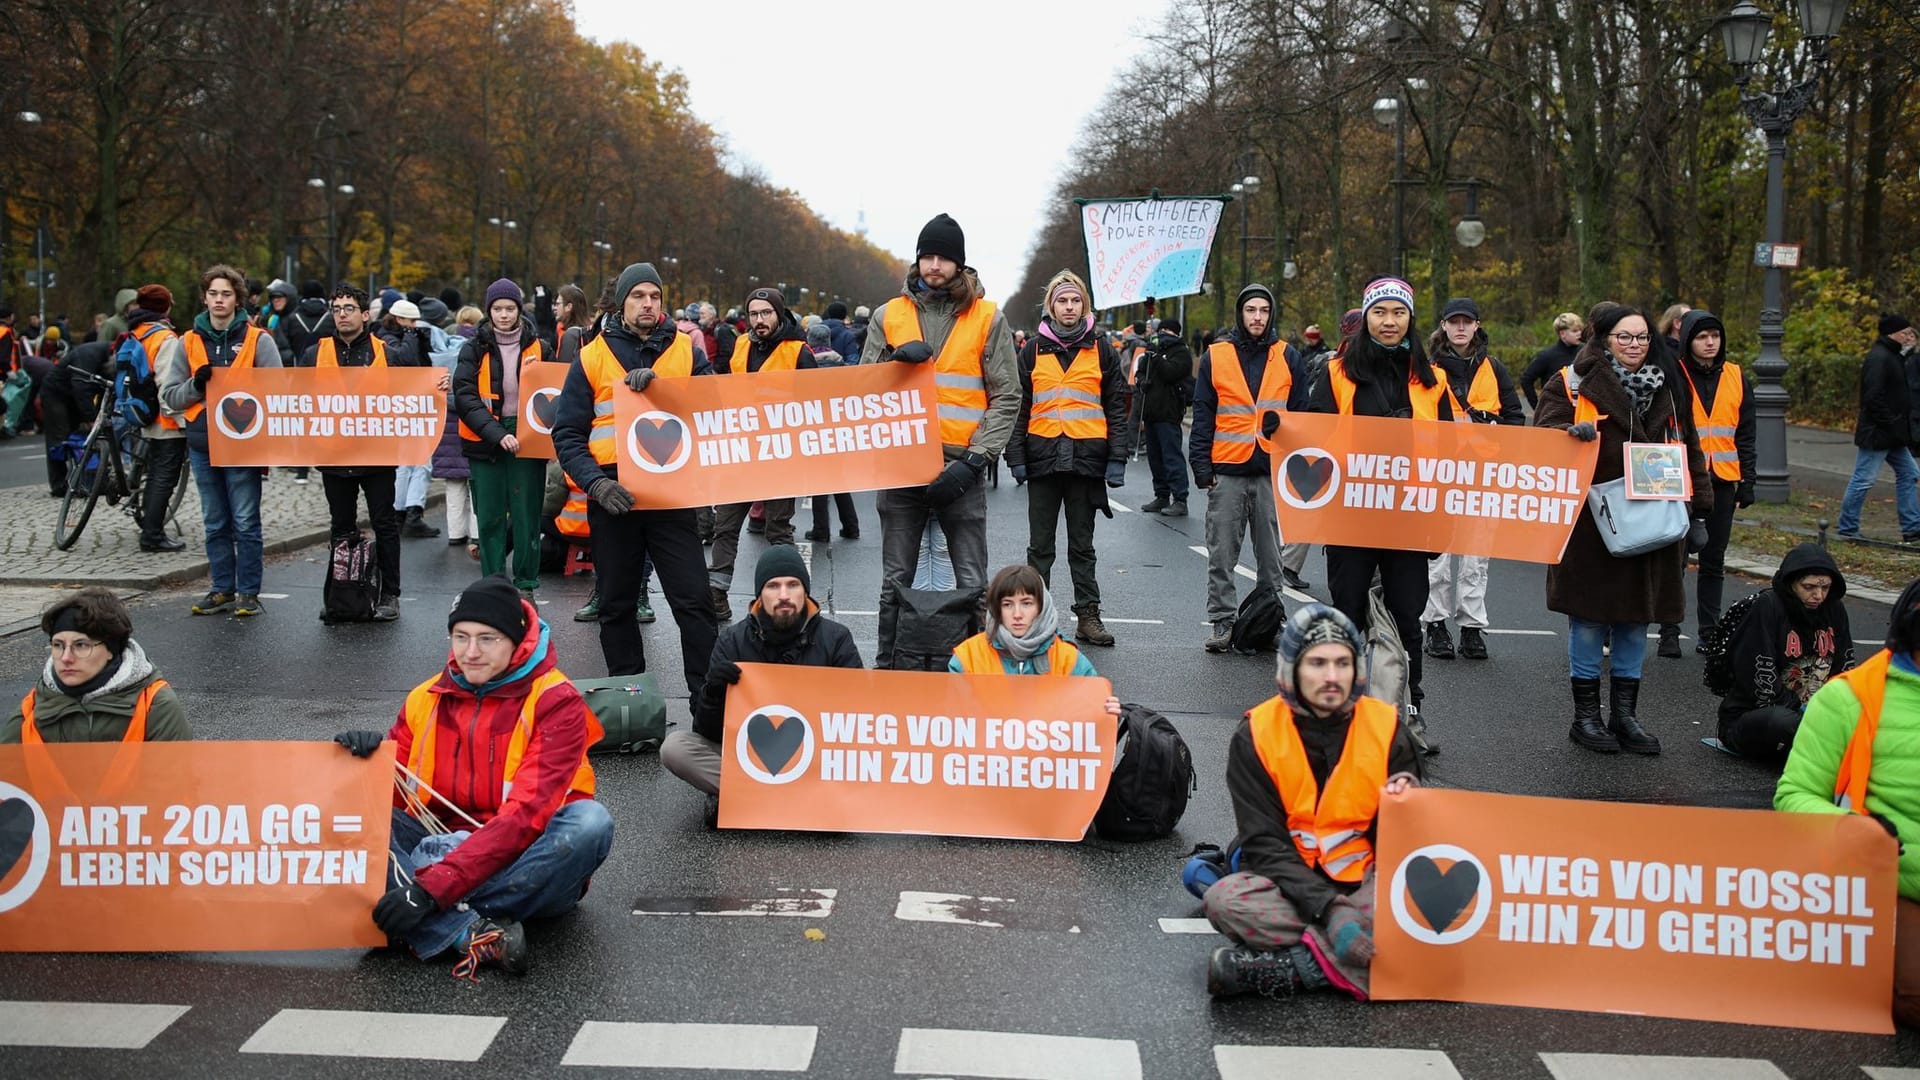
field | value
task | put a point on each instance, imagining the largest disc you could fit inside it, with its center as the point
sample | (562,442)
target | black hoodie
(308,322)
(1703,377)
(1782,652)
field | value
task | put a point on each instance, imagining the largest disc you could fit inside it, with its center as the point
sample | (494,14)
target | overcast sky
(899,110)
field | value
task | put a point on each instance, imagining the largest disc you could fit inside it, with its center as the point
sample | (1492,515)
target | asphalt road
(23,461)
(1082,962)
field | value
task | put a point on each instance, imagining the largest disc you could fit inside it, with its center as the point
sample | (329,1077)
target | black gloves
(1891,830)
(1743,495)
(1203,480)
(1696,537)
(200,378)
(1116,474)
(1584,431)
(361,743)
(638,378)
(612,498)
(1269,424)
(725,671)
(402,910)
(913,352)
(1019,473)
(953,481)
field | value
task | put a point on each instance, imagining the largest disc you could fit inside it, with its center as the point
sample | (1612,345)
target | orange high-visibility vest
(603,370)
(422,704)
(1584,411)
(491,393)
(136,727)
(152,336)
(197,358)
(959,372)
(572,520)
(1425,399)
(979,657)
(785,356)
(328,356)
(1717,428)
(1329,828)
(1067,402)
(1869,685)
(1484,393)
(1236,419)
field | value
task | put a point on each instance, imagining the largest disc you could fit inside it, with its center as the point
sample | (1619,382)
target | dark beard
(786,624)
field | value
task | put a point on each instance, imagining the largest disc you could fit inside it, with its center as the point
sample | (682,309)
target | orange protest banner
(539,398)
(713,440)
(1744,916)
(1422,485)
(191,846)
(839,750)
(324,416)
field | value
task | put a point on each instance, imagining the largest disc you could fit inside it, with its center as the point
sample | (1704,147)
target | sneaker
(1439,642)
(590,611)
(1845,535)
(1233,970)
(1159,503)
(248,605)
(1670,643)
(1910,538)
(387,610)
(717,599)
(1294,580)
(1177,508)
(642,611)
(498,944)
(1473,644)
(1222,638)
(300,480)
(213,603)
(166,545)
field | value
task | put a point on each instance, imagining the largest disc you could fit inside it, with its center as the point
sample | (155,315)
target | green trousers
(506,495)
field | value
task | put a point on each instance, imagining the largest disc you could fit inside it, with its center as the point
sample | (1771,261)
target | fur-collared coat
(1589,582)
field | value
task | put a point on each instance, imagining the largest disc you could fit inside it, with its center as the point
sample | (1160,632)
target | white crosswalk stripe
(1186,926)
(344,1033)
(756,1047)
(1267,1062)
(1654,1067)
(1014,1056)
(84,1024)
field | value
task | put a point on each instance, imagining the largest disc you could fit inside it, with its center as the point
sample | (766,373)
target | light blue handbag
(1632,527)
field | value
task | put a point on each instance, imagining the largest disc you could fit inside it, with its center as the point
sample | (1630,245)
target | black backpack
(925,626)
(1256,626)
(352,587)
(1152,779)
(1717,677)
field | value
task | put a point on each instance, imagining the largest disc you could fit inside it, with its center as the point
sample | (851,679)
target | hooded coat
(1252,351)
(938,309)
(102,715)
(308,322)
(1704,378)
(1885,421)
(1062,456)
(474,726)
(1167,371)
(1781,653)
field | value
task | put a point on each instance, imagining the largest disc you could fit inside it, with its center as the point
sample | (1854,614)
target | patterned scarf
(1641,384)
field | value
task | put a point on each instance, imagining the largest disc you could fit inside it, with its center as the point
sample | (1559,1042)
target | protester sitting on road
(1611,392)
(1854,753)
(1022,635)
(497,746)
(98,685)
(1306,770)
(1793,638)
(783,626)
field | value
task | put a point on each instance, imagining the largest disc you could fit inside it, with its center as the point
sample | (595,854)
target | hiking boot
(820,536)
(1439,642)
(416,525)
(1623,699)
(1159,503)
(589,611)
(642,611)
(717,597)
(1670,642)
(213,603)
(1587,730)
(1177,508)
(1091,630)
(247,606)
(497,944)
(1294,580)
(1473,644)
(1417,727)
(387,610)
(1235,970)
(1222,638)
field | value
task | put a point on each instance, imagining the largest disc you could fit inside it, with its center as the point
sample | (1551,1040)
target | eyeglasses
(755,316)
(80,649)
(1633,339)
(461,640)
(345,309)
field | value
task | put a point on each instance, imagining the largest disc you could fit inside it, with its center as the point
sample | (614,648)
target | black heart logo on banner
(1441,895)
(1308,477)
(660,439)
(775,744)
(16,833)
(240,412)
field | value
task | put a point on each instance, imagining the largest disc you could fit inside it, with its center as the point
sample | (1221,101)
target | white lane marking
(95,1025)
(344,1033)
(1198,549)
(1377,1063)
(1120,508)
(1186,926)
(1297,596)
(998,912)
(1523,633)
(839,613)
(1653,1067)
(788,903)
(1888,1072)
(1135,622)
(274,595)
(1011,1055)
(756,1047)
(1245,573)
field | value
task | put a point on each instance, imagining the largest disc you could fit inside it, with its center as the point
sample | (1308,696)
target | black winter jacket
(573,414)
(1061,455)
(1167,371)
(1885,420)
(821,642)
(1545,365)
(360,354)
(1781,652)
(479,413)
(1460,371)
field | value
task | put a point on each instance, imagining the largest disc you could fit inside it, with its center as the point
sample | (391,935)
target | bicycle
(106,463)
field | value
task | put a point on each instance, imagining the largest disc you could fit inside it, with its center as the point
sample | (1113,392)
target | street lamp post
(604,249)
(326,184)
(1743,32)
(1391,112)
(1245,190)
(505,224)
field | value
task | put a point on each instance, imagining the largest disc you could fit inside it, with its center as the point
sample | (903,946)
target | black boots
(1587,729)
(1623,698)
(1282,973)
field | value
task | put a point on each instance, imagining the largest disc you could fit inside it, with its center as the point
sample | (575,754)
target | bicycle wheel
(179,496)
(88,474)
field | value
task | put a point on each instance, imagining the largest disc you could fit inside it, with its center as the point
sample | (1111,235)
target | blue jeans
(1165,461)
(410,486)
(1906,495)
(230,510)
(548,879)
(1587,640)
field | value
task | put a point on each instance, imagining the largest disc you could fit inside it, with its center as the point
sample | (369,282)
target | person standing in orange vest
(495,748)
(1720,396)
(773,342)
(98,685)
(1070,442)
(166,444)
(229,497)
(1483,393)
(942,316)
(1306,770)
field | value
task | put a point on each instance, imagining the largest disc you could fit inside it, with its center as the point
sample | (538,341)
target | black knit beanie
(492,601)
(942,236)
(781,560)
